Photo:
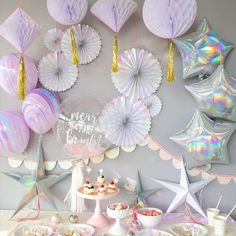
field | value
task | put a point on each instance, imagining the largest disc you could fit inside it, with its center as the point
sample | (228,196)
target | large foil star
(38,184)
(202,54)
(216,95)
(185,192)
(206,140)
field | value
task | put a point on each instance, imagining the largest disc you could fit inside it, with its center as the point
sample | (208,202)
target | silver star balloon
(185,192)
(202,54)
(38,183)
(205,140)
(216,95)
(140,195)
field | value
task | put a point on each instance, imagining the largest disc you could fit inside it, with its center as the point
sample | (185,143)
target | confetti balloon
(67,12)
(205,140)
(14,133)
(202,54)
(216,95)
(40,109)
(9,69)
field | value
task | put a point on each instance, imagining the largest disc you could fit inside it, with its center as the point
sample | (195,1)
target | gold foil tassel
(21,79)
(115,54)
(75,53)
(170,67)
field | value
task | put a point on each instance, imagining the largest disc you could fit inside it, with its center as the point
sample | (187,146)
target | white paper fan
(88,43)
(52,39)
(139,74)
(125,123)
(114,13)
(153,104)
(57,73)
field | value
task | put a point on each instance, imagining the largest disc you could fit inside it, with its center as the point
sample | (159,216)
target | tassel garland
(21,79)
(75,54)
(170,67)
(115,54)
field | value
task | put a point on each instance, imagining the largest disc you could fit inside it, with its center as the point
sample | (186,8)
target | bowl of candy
(149,217)
(34,230)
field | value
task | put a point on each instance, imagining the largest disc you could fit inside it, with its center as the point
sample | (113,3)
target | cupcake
(86,185)
(90,189)
(101,179)
(112,187)
(101,189)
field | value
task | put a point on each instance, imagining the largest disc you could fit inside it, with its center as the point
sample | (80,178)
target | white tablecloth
(6,225)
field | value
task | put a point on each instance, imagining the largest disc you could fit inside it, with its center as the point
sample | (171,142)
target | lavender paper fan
(154,105)
(125,123)
(19,29)
(52,39)
(67,12)
(57,73)
(139,74)
(114,13)
(88,43)
(169,18)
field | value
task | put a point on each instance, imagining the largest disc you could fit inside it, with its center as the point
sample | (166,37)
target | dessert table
(6,225)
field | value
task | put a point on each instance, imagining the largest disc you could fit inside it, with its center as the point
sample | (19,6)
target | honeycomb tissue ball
(9,70)
(14,133)
(41,109)
(67,12)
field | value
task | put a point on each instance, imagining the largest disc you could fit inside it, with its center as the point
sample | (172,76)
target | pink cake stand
(98,219)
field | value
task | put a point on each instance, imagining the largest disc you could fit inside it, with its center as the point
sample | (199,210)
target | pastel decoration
(14,133)
(67,12)
(41,109)
(169,19)
(9,69)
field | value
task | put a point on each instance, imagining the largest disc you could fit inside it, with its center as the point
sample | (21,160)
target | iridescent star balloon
(38,184)
(205,140)
(216,95)
(202,54)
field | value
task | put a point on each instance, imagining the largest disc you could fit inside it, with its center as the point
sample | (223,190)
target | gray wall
(178,105)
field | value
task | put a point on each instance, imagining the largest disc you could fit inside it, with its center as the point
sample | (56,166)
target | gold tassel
(170,67)
(115,54)
(21,79)
(75,53)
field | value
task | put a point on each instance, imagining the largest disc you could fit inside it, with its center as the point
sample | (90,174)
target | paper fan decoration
(52,39)
(153,104)
(139,74)
(20,30)
(57,73)
(124,122)
(88,43)
(169,19)
(114,13)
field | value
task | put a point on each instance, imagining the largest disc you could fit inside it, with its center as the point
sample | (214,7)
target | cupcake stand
(98,220)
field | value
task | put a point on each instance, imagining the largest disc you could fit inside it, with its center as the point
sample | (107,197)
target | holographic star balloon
(216,95)
(38,184)
(202,54)
(205,140)
(139,195)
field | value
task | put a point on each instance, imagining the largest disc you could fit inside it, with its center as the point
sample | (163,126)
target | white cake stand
(98,219)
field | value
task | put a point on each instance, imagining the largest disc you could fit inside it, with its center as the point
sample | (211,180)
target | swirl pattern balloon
(9,67)
(40,109)
(14,133)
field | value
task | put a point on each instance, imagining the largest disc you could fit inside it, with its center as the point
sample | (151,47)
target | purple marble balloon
(41,109)
(14,133)
(9,69)
(67,12)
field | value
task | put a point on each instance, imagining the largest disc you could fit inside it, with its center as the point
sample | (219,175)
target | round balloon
(14,133)
(67,12)
(41,109)
(9,69)
(169,18)
(78,129)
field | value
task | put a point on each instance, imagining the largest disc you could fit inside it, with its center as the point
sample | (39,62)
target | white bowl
(118,214)
(149,221)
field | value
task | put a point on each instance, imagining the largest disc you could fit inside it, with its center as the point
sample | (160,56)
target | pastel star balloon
(205,140)
(202,54)
(216,95)
(185,191)
(37,184)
